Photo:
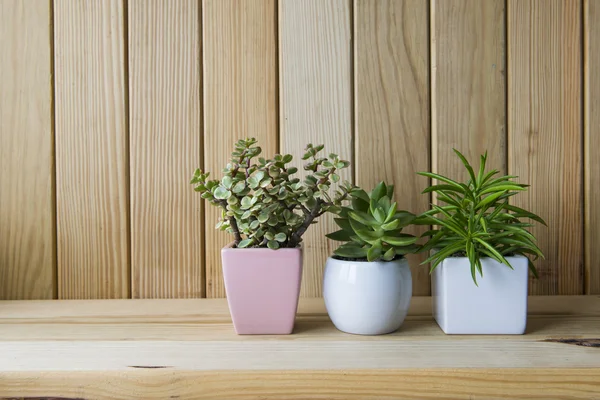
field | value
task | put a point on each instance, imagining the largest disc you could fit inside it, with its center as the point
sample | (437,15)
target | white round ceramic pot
(367,298)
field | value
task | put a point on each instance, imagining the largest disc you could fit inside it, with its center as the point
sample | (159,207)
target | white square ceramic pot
(497,306)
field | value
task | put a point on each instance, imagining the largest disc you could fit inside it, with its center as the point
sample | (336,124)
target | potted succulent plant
(477,230)
(368,284)
(267,210)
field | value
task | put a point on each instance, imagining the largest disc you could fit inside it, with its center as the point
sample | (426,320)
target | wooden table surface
(186,349)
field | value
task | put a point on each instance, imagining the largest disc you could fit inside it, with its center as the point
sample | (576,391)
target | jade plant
(263,203)
(372,227)
(475,220)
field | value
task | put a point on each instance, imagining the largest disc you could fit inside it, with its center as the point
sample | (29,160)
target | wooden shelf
(186,349)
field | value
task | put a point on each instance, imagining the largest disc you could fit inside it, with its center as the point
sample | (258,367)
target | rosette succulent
(372,227)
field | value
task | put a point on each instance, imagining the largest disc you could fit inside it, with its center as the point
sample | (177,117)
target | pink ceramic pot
(262,288)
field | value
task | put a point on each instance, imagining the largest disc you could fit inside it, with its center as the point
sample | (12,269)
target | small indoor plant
(267,210)
(477,230)
(368,284)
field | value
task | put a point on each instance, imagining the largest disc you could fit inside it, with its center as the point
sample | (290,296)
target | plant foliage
(477,220)
(372,226)
(263,204)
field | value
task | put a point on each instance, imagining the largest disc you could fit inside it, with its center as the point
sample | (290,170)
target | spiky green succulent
(263,204)
(477,220)
(372,227)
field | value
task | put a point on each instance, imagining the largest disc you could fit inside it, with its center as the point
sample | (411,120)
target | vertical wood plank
(165,133)
(468,84)
(392,142)
(592,146)
(545,138)
(240,97)
(316,101)
(27,232)
(91,149)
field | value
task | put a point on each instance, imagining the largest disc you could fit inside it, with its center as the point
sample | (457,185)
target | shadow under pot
(367,298)
(262,287)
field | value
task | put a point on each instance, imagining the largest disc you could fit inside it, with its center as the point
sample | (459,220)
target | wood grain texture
(550,317)
(408,384)
(27,232)
(545,133)
(315,65)
(165,139)
(391,103)
(240,98)
(91,149)
(468,85)
(188,350)
(592,145)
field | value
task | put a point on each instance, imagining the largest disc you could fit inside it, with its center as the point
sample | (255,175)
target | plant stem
(232,224)
(314,213)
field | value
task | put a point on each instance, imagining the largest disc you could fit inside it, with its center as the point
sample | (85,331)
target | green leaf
(444,253)
(246,202)
(239,187)
(379,215)
(335,178)
(359,204)
(492,250)
(467,166)
(221,193)
(406,218)
(254,224)
(227,181)
(399,241)
(441,178)
(259,175)
(343,223)
(287,158)
(361,194)
(374,253)
(523,213)
(482,162)
(390,254)
(363,218)
(390,226)
(272,244)
(265,182)
(245,243)
(351,250)
(532,268)
(281,237)
(246,214)
(340,236)
(379,191)
(311,203)
(438,188)
(384,203)
(369,236)
(253,182)
(390,191)
(391,212)
(496,188)
(489,199)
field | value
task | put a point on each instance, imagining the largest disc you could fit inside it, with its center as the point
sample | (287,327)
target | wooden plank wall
(315,91)
(164,145)
(591,84)
(107,107)
(27,232)
(545,132)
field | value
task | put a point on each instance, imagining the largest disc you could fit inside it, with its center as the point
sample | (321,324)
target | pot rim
(229,246)
(371,264)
